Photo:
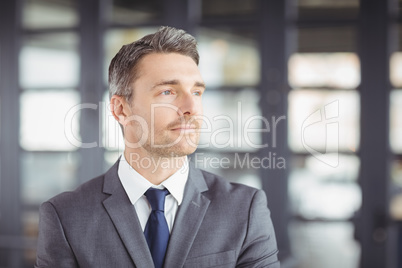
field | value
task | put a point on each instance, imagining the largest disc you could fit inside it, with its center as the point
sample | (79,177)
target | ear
(117,107)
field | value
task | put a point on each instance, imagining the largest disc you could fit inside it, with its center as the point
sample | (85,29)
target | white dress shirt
(136,185)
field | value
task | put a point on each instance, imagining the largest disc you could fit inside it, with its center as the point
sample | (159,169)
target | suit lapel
(125,219)
(188,219)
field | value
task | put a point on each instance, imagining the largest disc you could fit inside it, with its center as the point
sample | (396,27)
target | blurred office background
(333,68)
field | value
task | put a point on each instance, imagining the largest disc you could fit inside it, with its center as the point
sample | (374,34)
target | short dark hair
(123,67)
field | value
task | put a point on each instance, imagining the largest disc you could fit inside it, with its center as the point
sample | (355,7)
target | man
(153,208)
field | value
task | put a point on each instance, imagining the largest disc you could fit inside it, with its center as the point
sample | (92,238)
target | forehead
(167,63)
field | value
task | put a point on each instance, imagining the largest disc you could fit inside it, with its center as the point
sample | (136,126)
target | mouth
(185,128)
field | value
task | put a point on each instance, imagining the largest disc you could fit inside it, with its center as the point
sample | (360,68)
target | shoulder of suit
(232,196)
(82,194)
(218,183)
(92,190)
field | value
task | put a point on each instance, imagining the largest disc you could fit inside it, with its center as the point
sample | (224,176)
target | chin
(181,148)
(178,152)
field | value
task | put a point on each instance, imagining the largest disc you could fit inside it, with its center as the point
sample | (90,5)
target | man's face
(166,108)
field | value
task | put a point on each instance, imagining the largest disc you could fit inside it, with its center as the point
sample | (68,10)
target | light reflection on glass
(396,69)
(228,115)
(43,67)
(43,120)
(318,191)
(228,59)
(396,121)
(334,70)
(309,121)
(49,13)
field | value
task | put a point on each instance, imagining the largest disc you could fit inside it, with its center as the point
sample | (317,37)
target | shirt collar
(136,185)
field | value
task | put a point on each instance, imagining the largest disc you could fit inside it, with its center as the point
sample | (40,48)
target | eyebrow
(176,82)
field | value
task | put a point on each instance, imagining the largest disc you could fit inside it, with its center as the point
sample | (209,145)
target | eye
(197,93)
(167,92)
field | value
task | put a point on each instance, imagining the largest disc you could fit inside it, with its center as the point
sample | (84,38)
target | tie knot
(156,198)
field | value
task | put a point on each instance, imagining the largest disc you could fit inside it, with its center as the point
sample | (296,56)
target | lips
(185,127)
(185,123)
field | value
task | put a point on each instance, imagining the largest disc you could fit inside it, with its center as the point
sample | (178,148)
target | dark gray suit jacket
(218,224)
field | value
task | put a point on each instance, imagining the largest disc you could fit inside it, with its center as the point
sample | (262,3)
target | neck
(155,169)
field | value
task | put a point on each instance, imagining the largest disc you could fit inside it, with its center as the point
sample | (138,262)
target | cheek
(162,116)
(200,107)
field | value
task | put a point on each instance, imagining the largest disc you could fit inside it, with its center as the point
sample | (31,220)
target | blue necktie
(157,231)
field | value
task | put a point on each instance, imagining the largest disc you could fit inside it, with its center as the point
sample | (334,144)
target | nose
(189,104)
